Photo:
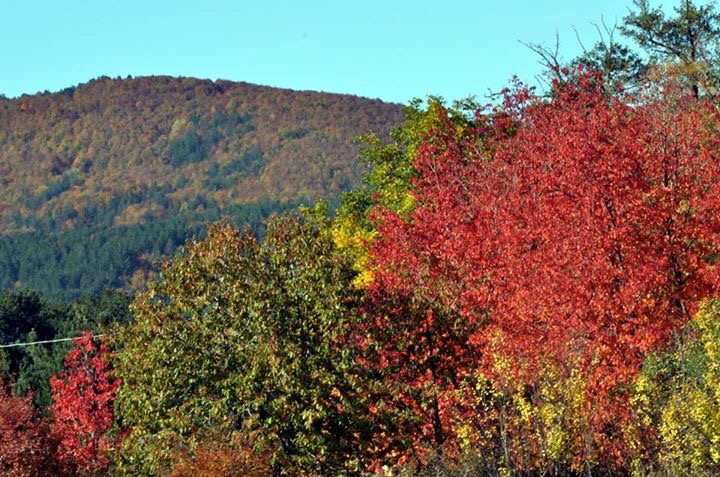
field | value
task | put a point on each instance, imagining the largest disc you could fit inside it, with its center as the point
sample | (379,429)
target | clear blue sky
(392,50)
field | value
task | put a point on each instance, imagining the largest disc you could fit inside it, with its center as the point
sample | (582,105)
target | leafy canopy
(242,336)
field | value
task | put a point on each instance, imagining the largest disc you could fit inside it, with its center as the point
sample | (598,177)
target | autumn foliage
(26,449)
(526,288)
(529,262)
(82,411)
(132,149)
(213,458)
(529,291)
(578,233)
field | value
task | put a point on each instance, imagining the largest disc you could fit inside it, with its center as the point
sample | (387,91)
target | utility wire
(14,345)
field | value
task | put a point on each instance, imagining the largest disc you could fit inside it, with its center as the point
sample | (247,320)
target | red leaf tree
(82,412)
(417,332)
(25,448)
(581,230)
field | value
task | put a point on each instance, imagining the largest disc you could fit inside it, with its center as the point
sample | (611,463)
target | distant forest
(98,181)
(68,263)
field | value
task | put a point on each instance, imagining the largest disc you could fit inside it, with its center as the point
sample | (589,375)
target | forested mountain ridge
(124,151)
(99,181)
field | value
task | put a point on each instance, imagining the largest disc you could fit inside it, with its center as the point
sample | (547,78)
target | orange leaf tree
(25,447)
(580,231)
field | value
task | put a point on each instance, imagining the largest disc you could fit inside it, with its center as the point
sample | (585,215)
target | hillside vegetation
(160,152)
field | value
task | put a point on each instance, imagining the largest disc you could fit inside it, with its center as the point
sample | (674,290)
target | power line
(30,343)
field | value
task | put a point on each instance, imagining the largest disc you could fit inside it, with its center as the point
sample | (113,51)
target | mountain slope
(118,152)
(98,181)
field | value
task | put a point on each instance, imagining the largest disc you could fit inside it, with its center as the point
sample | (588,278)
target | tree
(25,316)
(388,181)
(415,338)
(682,49)
(25,447)
(675,397)
(620,67)
(687,42)
(82,411)
(584,243)
(241,336)
(23,311)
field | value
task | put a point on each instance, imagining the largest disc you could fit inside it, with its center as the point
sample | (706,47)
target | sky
(394,50)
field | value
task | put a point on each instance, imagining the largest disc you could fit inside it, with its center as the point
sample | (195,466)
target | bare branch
(549,58)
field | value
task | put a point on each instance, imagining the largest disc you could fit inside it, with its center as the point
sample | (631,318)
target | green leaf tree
(244,337)
(684,45)
(388,182)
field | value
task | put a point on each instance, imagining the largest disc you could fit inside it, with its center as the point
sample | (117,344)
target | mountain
(128,158)
(144,146)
